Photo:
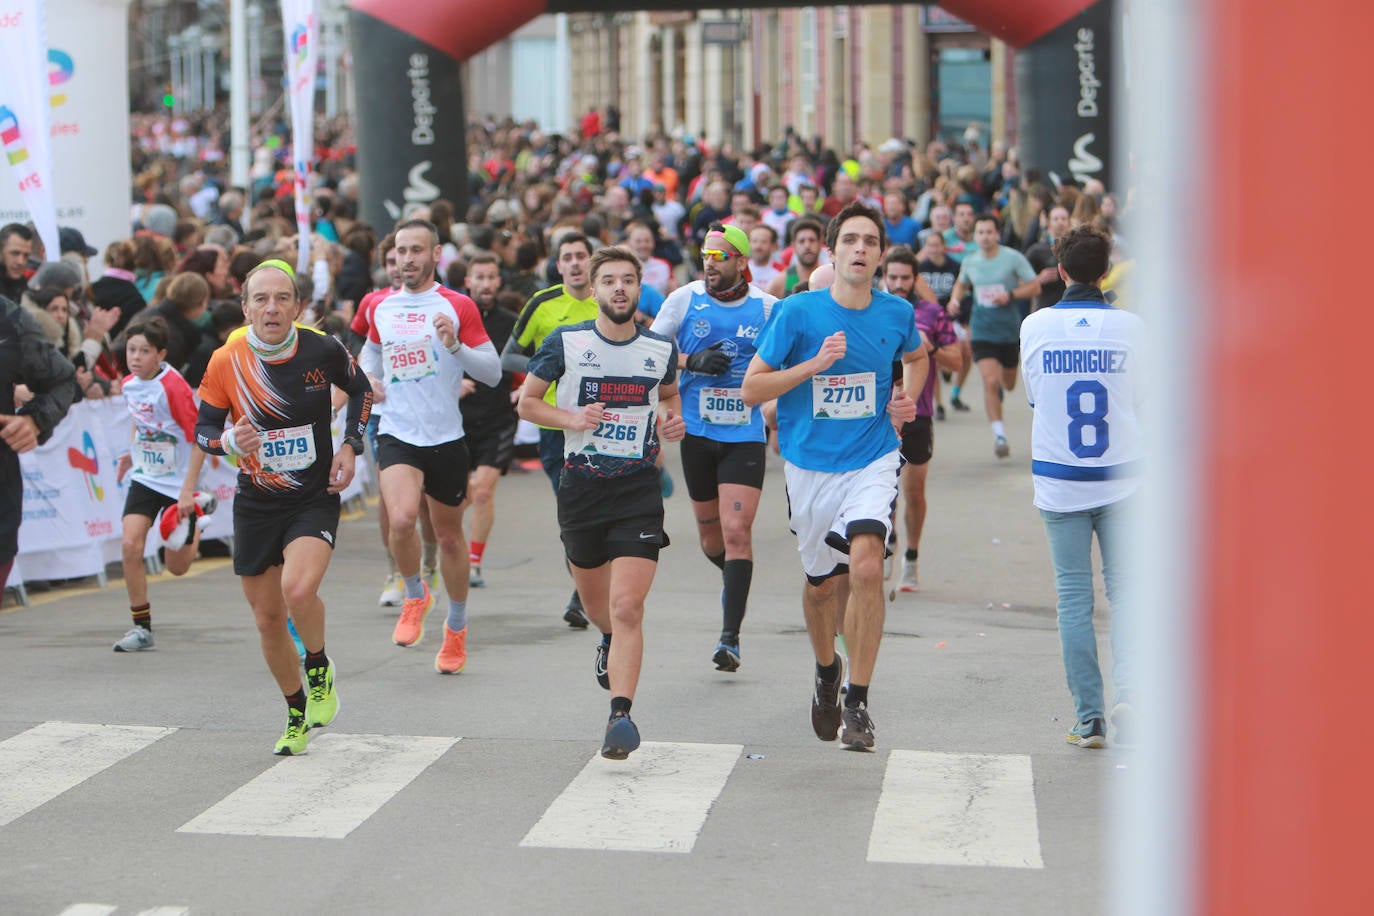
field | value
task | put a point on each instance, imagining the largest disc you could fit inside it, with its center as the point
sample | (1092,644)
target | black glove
(711,361)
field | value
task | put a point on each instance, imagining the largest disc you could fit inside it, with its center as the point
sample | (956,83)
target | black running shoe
(727,655)
(603,652)
(825,706)
(858,729)
(958,405)
(940,413)
(574,615)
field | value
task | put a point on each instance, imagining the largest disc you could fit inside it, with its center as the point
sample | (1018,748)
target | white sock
(998,429)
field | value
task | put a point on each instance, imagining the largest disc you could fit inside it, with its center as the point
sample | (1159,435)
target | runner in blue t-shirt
(715,323)
(827,356)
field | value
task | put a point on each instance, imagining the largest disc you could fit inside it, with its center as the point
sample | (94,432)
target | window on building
(962,84)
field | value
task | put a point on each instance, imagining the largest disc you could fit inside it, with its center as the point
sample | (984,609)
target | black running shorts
(706,464)
(491,444)
(445,466)
(918,440)
(602,518)
(146,501)
(263,526)
(1008,354)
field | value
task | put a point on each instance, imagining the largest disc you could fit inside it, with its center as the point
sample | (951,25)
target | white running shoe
(393,592)
(910,583)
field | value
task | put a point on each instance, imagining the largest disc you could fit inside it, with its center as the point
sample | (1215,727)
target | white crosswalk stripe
(656,801)
(957,809)
(327,793)
(40,764)
(105,909)
(933,808)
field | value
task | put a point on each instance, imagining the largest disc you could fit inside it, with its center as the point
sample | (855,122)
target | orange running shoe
(454,653)
(411,627)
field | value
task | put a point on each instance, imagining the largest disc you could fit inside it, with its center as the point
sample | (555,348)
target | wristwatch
(355,443)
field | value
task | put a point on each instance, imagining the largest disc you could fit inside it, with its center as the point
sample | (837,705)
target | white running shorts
(821,502)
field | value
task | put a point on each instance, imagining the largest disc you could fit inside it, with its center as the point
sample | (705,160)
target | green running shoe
(321,702)
(292,742)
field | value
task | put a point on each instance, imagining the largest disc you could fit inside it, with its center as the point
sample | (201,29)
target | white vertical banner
(24,123)
(300,25)
(88,98)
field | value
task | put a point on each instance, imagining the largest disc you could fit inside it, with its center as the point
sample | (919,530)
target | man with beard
(488,414)
(918,436)
(423,338)
(715,322)
(617,394)
(806,254)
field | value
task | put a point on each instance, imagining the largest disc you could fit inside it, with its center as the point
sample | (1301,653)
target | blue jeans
(551,454)
(1071,545)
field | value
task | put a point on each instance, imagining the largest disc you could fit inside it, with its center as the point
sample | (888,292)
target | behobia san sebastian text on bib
(844,397)
(621,432)
(724,406)
(289,449)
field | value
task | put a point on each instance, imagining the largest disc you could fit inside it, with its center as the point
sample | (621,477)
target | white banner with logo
(24,130)
(73,506)
(301,28)
(87,86)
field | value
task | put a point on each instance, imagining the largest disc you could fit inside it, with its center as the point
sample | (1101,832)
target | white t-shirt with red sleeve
(422,380)
(164,410)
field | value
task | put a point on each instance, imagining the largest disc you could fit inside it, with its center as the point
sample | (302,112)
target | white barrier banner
(87,82)
(24,130)
(301,28)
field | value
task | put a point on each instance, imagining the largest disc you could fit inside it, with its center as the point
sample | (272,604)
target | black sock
(296,701)
(718,559)
(829,673)
(738,575)
(606,640)
(143,616)
(857,695)
(912,554)
(315,659)
(620,706)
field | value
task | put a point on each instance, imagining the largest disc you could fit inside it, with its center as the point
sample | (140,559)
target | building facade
(845,73)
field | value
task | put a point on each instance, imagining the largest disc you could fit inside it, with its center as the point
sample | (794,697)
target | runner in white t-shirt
(423,338)
(165,468)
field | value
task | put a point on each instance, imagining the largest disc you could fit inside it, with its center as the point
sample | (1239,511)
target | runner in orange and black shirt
(273,382)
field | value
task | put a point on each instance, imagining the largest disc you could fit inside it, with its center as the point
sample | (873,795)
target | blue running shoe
(621,738)
(295,638)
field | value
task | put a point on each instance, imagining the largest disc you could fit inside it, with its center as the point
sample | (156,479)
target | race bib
(409,360)
(986,295)
(154,457)
(724,407)
(621,432)
(843,397)
(290,449)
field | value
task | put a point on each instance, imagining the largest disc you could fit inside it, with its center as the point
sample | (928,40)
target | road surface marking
(327,793)
(957,809)
(656,801)
(40,764)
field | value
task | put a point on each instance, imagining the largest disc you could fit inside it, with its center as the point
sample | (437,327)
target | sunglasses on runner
(715,254)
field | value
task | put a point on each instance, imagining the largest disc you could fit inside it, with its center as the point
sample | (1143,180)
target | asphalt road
(483,792)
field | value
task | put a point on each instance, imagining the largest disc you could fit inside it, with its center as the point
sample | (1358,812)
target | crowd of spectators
(194,238)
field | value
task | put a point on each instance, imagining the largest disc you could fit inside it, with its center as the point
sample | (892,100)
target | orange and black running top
(288,400)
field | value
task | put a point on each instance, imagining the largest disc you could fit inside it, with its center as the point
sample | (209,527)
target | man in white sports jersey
(827,356)
(1082,362)
(714,323)
(422,339)
(617,394)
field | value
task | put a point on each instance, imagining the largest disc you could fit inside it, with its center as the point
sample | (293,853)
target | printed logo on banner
(12,137)
(60,69)
(88,462)
(300,52)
